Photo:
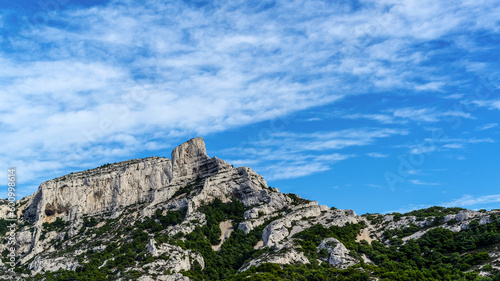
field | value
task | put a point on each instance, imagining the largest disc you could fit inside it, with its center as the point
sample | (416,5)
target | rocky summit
(195,217)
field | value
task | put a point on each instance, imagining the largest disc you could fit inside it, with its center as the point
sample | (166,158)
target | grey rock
(178,258)
(172,277)
(39,265)
(288,256)
(338,254)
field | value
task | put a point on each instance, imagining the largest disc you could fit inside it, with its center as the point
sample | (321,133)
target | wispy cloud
(375,185)
(431,145)
(470,200)
(455,96)
(453,145)
(490,104)
(382,118)
(407,114)
(431,86)
(428,114)
(313,119)
(487,126)
(419,182)
(290,155)
(377,155)
(422,149)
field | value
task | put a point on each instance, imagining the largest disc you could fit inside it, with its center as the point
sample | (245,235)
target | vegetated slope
(159,218)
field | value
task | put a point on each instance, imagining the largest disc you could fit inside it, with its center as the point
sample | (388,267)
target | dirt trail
(259,245)
(364,235)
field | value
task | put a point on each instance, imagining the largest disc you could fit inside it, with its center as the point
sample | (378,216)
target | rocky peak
(189,158)
(188,152)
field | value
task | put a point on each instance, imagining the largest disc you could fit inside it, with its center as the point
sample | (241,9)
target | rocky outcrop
(338,255)
(174,259)
(286,256)
(172,277)
(189,224)
(39,265)
(190,160)
(240,183)
(302,217)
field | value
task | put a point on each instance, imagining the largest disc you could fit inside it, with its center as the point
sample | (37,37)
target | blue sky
(376,106)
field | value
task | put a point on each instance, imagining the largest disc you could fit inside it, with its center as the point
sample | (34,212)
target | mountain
(192,217)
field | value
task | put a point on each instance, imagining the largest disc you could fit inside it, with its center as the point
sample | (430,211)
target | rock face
(176,259)
(290,256)
(302,217)
(107,188)
(39,265)
(173,277)
(338,255)
(110,188)
(155,179)
(190,159)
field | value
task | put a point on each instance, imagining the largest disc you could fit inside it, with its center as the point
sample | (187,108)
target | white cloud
(382,118)
(422,149)
(434,86)
(313,119)
(406,114)
(428,114)
(491,104)
(430,145)
(464,141)
(419,182)
(454,96)
(453,145)
(374,185)
(377,155)
(487,126)
(291,155)
(469,200)
(291,171)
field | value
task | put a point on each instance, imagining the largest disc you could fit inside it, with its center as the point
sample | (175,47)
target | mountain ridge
(158,205)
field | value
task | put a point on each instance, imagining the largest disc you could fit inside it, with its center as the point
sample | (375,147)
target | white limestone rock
(189,224)
(177,260)
(285,256)
(302,217)
(464,215)
(172,277)
(39,265)
(338,254)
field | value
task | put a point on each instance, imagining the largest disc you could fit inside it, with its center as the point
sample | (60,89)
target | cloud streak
(288,155)
(470,200)
(407,114)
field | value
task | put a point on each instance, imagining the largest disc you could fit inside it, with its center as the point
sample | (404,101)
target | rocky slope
(160,219)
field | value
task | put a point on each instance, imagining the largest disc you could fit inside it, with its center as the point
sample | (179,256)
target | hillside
(193,217)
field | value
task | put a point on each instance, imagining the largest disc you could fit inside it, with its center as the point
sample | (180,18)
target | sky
(376,106)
